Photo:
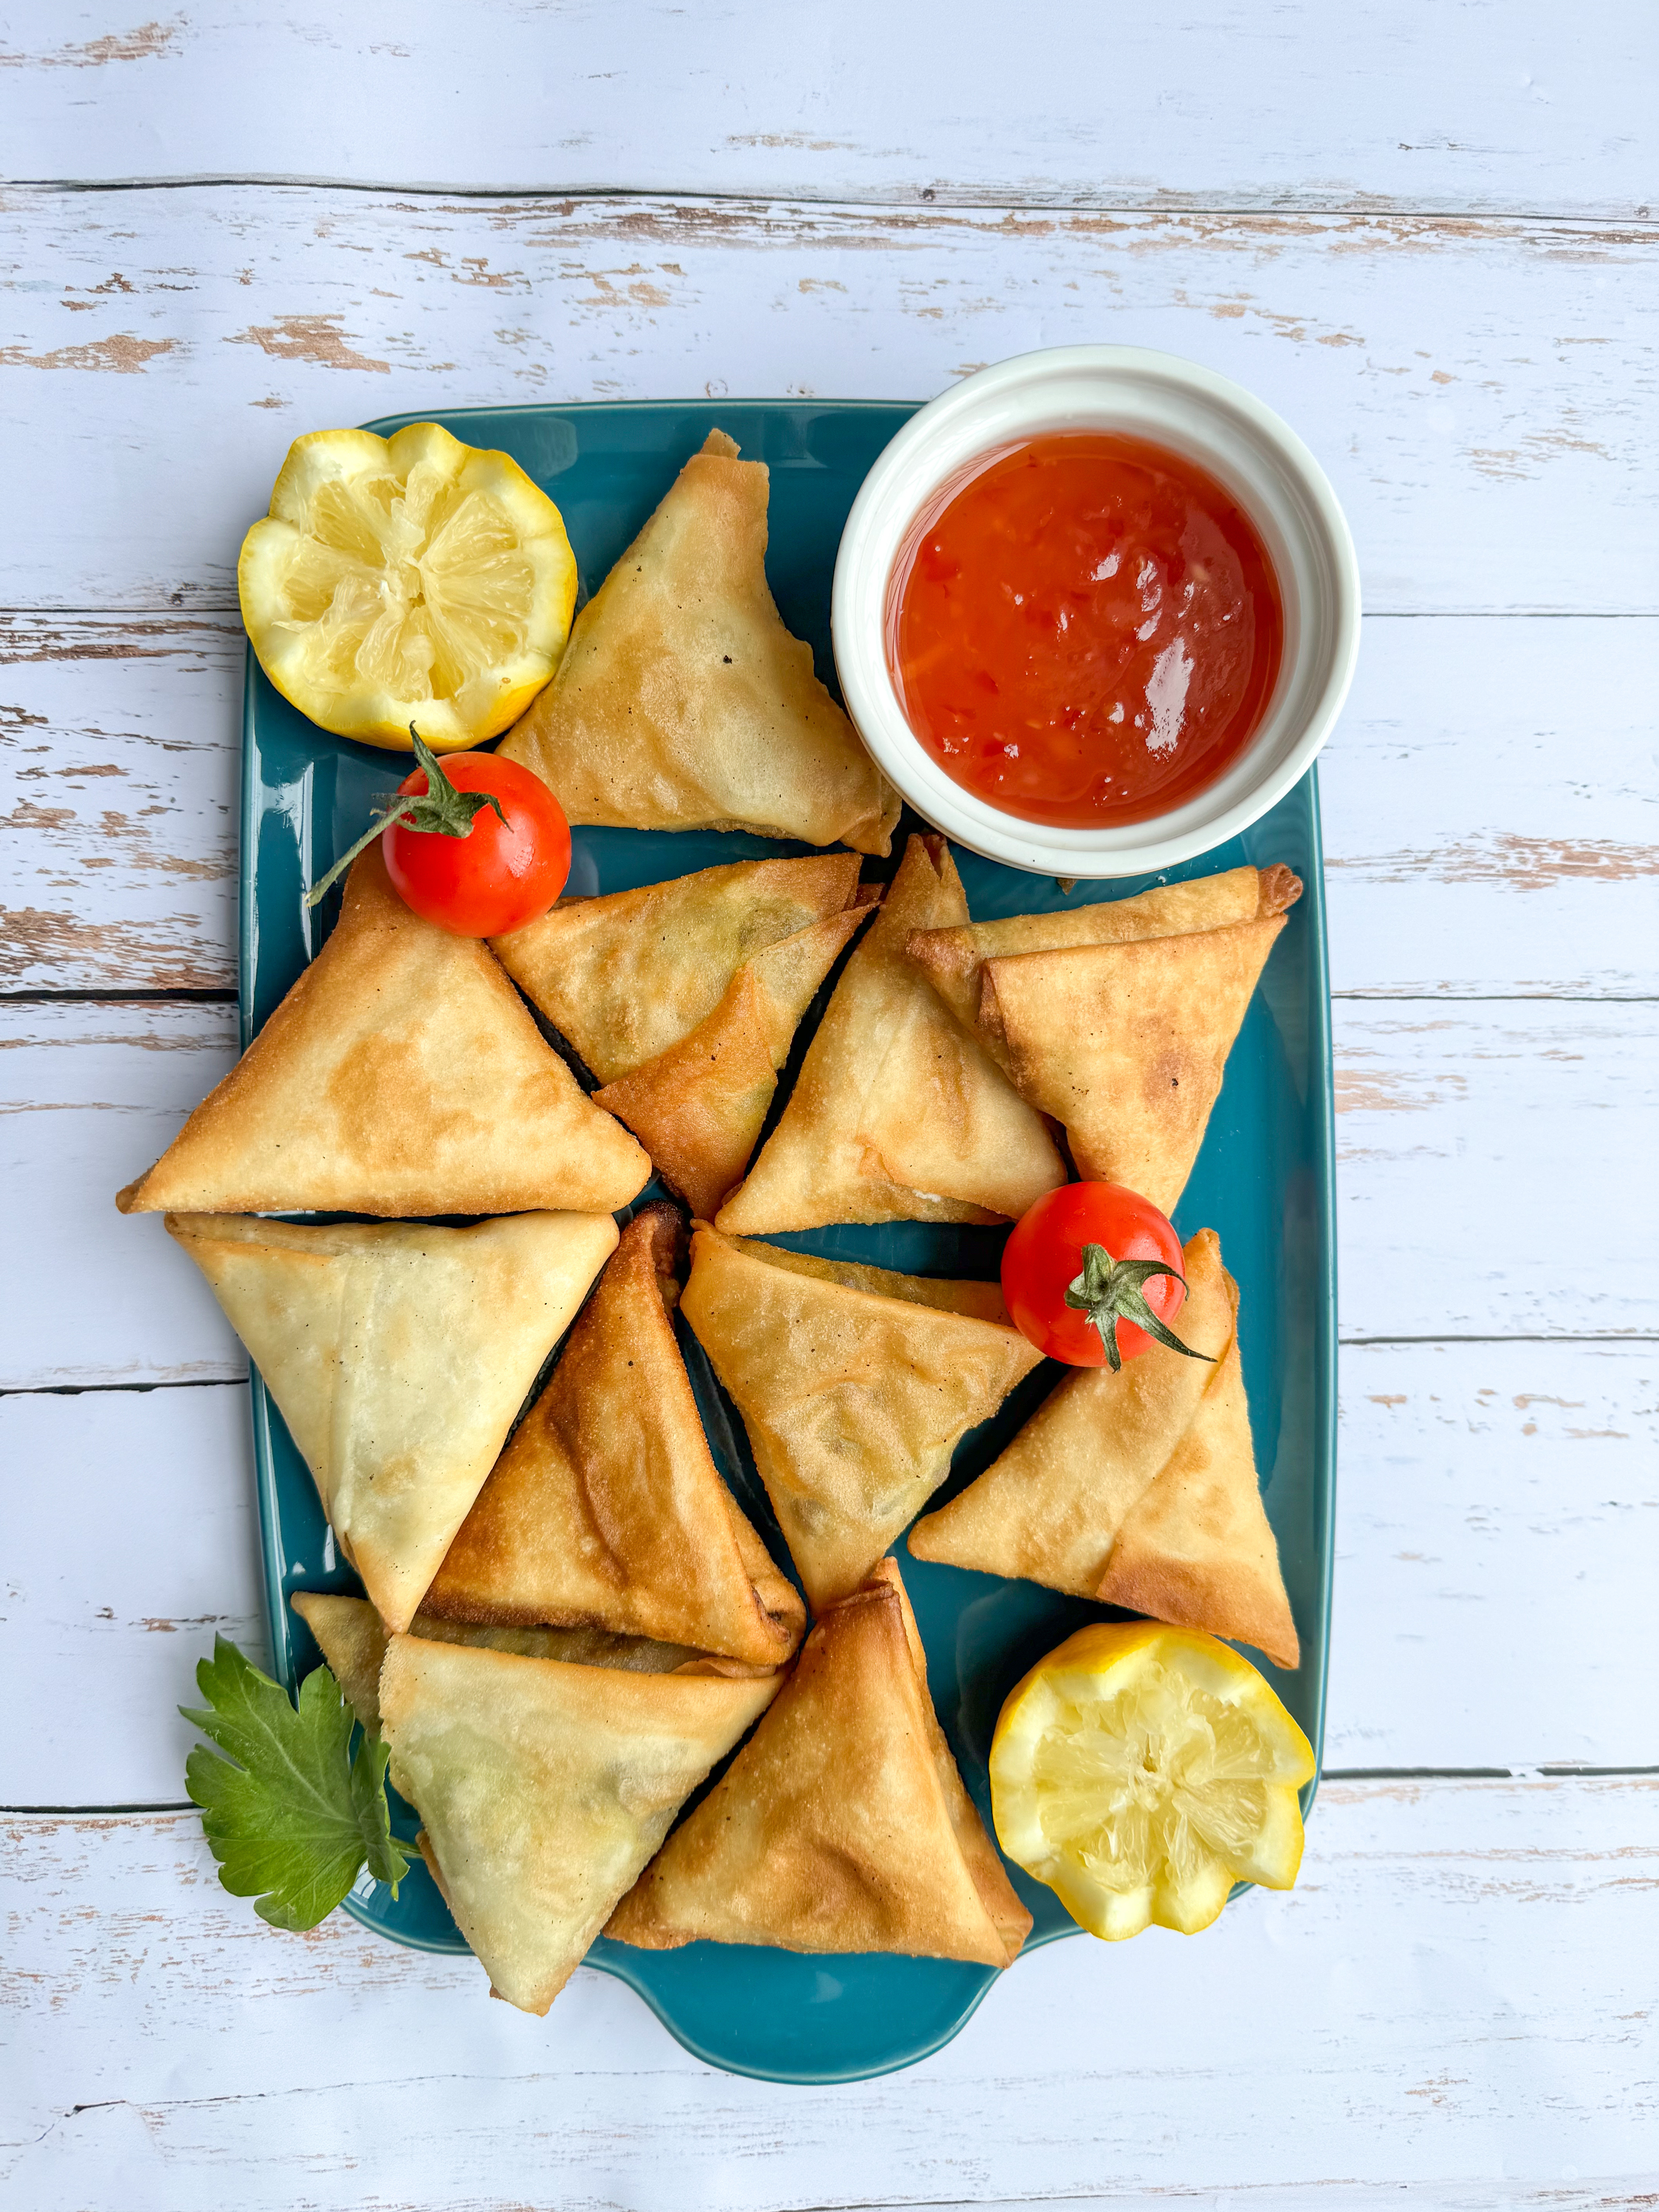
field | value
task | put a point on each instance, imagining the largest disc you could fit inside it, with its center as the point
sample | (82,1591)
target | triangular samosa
(898,1114)
(1139,1488)
(352,1639)
(399,1355)
(682,701)
(403,1074)
(843,1824)
(1126,1044)
(952,959)
(545,1787)
(606,1510)
(855,1386)
(699,1107)
(626,976)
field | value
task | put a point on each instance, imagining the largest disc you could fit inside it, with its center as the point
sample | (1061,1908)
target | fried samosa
(1125,1044)
(843,1824)
(699,1107)
(626,976)
(606,1510)
(545,1787)
(1139,1489)
(399,1355)
(401,1075)
(855,1386)
(352,1639)
(953,959)
(682,701)
(898,1114)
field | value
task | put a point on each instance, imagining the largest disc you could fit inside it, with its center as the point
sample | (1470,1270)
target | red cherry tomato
(1043,1257)
(502,875)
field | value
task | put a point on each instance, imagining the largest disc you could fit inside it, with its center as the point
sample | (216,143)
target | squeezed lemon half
(1140,1770)
(407,578)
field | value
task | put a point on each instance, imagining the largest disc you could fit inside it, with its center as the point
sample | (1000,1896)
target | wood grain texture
(1455,2002)
(89,1096)
(1474,107)
(120,765)
(128,1540)
(1479,391)
(1497,1533)
(1495,1502)
(1494,1175)
(1475,1140)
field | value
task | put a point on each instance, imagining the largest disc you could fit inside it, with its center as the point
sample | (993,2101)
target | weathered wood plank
(1476,1145)
(1484,1490)
(1474,1141)
(1453,2001)
(1497,1525)
(129,1536)
(1476,107)
(1480,391)
(119,761)
(1491,812)
(119,764)
(89,1096)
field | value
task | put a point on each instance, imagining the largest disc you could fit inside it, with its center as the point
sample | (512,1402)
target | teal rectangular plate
(1263,1182)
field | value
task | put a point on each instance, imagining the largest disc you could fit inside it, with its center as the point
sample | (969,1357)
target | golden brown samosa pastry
(352,1639)
(606,1510)
(897,1114)
(951,959)
(843,1824)
(1139,1488)
(699,1107)
(545,1787)
(682,701)
(1126,1044)
(855,1385)
(403,1074)
(399,1355)
(626,976)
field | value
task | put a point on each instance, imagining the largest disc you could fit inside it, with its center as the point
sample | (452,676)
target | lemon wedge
(408,579)
(1140,1770)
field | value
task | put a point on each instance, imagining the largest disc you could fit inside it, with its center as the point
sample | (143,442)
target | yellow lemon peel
(1139,1771)
(407,578)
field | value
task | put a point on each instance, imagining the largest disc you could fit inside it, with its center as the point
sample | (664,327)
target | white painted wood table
(1422,232)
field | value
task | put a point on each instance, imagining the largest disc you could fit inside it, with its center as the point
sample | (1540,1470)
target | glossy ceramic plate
(1263,1182)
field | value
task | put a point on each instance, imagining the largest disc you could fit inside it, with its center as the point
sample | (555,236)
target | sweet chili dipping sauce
(1084,631)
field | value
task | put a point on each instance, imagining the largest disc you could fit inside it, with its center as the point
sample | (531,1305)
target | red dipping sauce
(1085,631)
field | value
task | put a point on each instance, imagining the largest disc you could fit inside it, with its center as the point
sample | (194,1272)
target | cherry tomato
(500,875)
(1044,1256)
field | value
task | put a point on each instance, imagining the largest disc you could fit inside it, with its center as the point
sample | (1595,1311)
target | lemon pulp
(1139,1771)
(407,578)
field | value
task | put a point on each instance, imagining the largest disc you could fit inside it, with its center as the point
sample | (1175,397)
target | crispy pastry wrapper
(543,1788)
(682,702)
(606,1510)
(1125,1044)
(843,1824)
(1139,1489)
(699,1107)
(855,1386)
(399,1355)
(898,1114)
(953,959)
(627,976)
(401,1075)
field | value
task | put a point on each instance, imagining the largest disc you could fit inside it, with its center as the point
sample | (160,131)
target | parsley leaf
(290,1817)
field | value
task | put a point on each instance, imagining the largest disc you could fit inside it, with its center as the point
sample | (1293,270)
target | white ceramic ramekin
(1211,421)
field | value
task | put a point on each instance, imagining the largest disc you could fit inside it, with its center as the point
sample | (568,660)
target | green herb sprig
(291,1816)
